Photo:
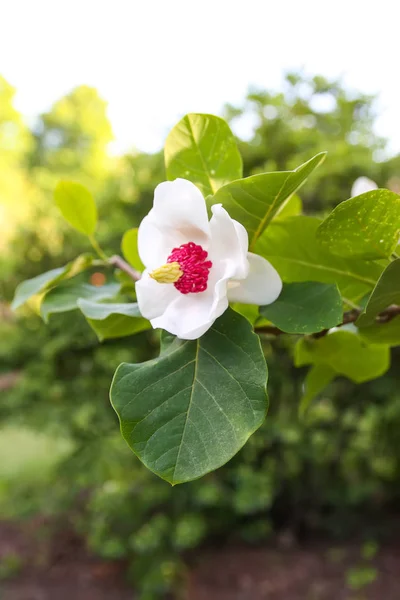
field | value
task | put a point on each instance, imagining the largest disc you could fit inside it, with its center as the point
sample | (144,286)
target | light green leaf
(250,311)
(202,148)
(65,296)
(318,377)
(190,410)
(254,201)
(291,208)
(385,293)
(367,226)
(42,283)
(77,206)
(305,307)
(129,247)
(113,320)
(346,353)
(293,250)
(383,333)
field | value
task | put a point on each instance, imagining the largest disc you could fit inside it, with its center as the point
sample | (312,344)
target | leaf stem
(97,248)
(120,263)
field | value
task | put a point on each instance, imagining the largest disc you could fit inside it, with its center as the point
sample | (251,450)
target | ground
(36,566)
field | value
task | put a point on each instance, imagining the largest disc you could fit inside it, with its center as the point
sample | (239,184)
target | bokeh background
(309,508)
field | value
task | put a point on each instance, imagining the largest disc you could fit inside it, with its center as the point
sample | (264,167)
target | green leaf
(291,208)
(346,353)
(292,248)
(129,247)
(382,333)
(305,307)
(318,377)
(367,226)
(202,148)
(254,201)
(42,283)
(190,410)
(77,206)
(113,320)
(250,311)
(65,296)
(385,293)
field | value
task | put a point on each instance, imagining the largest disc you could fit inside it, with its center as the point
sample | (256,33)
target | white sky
(155,60)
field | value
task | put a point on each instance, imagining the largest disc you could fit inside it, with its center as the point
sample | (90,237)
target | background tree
(312,113)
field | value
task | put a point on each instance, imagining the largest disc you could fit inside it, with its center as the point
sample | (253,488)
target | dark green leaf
(254,201)
(77,206)
(190,410)
(291,246)
(346,353)
(367,226)
(65,296)
(385,293)
(42,283)
(202,148)
(305,307)
(129,247)
(113,320)
(318,377)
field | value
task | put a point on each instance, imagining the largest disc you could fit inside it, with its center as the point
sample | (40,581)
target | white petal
(154,298)
(155,243)
(229,242)
(178,216)
(262,285)
(190,315)
(362,185)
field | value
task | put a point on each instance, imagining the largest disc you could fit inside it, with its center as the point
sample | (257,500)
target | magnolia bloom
(195,267)
(363,185)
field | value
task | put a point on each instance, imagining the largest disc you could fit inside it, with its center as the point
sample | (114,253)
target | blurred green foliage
(337,471)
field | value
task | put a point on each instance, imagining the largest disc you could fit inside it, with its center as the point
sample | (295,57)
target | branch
(120,263)
(349,317)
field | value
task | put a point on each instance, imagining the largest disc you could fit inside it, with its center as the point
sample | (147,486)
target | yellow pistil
(169,273)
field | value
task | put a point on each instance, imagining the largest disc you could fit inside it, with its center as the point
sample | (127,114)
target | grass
(27,461)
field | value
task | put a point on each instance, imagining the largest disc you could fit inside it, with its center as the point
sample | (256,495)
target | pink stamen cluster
(192,261)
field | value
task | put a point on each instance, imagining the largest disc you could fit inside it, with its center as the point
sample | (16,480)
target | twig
(349,317)
(120,263)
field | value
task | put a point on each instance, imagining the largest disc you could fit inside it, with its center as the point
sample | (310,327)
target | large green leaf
(77,206)
(383,333)
(202,148)
(318,377)
(113,320)
(65,296)
(385,293)
(346,353)
(129,247)
(292,248)
(305,307)
(367,226)
(42,283)
(255,200)
(190,410)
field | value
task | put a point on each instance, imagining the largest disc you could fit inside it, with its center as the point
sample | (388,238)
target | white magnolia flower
(363,185)
(194,267)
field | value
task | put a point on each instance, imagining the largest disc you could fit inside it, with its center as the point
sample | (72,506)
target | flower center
(187,268)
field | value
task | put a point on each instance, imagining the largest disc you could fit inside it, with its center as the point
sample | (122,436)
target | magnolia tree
(205,267)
